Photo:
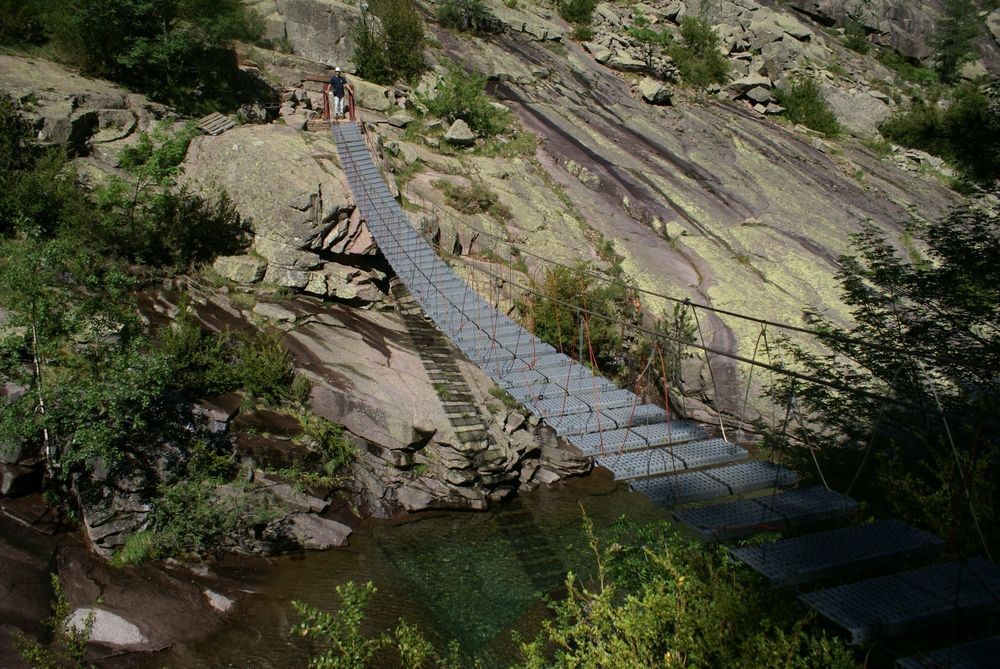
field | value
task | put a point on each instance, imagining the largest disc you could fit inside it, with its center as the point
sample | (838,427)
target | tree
(912,422)
(954,40)
(577,316)
(698,56)
(147,218)
(174,50)
(462,95)
(389,42)
(966,132)
(805,103)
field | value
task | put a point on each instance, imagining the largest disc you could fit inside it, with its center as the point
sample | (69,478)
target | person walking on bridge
(338,89)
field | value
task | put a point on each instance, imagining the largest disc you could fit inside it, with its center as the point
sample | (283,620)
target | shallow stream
(477,578)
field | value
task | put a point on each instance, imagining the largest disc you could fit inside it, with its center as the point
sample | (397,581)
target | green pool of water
(477,578)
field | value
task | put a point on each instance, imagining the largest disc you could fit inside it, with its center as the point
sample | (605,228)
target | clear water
(478,578)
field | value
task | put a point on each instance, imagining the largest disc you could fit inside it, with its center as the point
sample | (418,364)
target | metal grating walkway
(639,442)
(630,438)
(911,600)
(836,552)
(768,513)
(973,655)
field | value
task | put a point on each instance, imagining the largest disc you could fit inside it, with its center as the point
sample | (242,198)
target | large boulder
(308,210)
(460,134)
(320,30)
(241,269)
(68,109)
(906,26)
(993,25)
(314,533)
(858,112)
(655,92)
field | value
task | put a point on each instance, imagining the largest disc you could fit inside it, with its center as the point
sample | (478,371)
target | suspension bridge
(676,462)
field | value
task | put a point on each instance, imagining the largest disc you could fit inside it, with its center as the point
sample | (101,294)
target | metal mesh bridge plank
(835,552)
(769,513)
(980,654)
(910,600)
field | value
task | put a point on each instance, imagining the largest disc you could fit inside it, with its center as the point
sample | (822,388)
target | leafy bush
(855,37)
(174,51)
(698,56)
(262,363)
(476,198)
(908,70)
(660,600)
(334,452)
(389,42)
(39,193)
(804,103)
(68,647)
(146,218)
(580,12)
(966,133)
(200,362)
(195,516)
(558,307)
(924,333)
(21,22)
(462,95)
(468,16)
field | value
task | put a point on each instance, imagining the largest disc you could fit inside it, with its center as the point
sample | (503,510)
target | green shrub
(68,644)
(147,218)
(468,16)
(262,363)
(334,452)
(698,57)
(804,103)
(663,601)
(580,12)
(389,42)
(193,516)
(462,95)
(855,37)
(176,52)
(21,22)
(966,133)
(557,311)
(476,198)
(200,362)
(907,70)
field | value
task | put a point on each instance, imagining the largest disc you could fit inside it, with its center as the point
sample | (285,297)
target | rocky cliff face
(705,195)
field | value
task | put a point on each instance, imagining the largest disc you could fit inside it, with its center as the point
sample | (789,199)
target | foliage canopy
(921,443)
(389,42)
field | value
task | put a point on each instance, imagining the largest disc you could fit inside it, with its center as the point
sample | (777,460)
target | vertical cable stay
(711,373)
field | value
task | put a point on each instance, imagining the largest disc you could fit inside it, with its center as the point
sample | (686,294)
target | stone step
(713,483)
(771,513)
(465,421)
(837,552)
(467,436)
(949,593)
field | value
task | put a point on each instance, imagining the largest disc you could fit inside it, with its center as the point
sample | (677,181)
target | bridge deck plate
(890,605)
(773,512)
(835,552)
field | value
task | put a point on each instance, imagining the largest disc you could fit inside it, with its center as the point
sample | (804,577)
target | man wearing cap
(338,84)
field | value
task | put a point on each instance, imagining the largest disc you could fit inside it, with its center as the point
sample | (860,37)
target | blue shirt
(337,83)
